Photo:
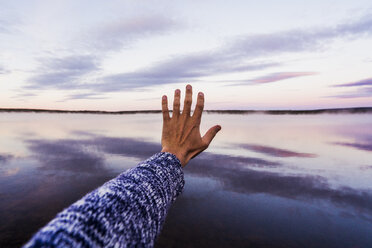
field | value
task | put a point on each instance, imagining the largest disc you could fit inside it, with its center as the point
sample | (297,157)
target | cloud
(359,93)
(9,23)
(363,82)
(232,57)
(275,152)
(240,55)
(86,96)
(115,35)
(364,89)
(4,26)
(360,146)
(70,72)
(65,72)
(278,76)
(24,95)
(182,69)
(300,40)
(3,70)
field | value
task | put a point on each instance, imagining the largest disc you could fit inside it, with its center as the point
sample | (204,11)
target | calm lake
(266,180)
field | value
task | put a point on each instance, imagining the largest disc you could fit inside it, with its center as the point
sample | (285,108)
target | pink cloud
(278,76)
(364,82)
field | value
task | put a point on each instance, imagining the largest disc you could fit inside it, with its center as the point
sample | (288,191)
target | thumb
(209,135)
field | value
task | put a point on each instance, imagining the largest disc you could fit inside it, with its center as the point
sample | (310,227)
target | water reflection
(302,187)
(366,167)
(126,146)
(4,158)
(87,155)
(276,152)
(309,191)
(225,219)
(70,155)
(358,139)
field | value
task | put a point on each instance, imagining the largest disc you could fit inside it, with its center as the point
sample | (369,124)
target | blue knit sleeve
(127,211)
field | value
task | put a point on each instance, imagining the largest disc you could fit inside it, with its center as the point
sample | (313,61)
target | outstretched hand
(181,133)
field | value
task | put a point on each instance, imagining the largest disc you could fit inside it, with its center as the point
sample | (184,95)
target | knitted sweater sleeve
(127,211)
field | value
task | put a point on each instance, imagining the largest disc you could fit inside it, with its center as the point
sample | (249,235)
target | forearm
(126,211)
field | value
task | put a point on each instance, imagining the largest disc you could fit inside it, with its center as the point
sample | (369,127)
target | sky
(124,55)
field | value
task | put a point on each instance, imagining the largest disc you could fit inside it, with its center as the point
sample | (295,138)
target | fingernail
(201,94)
(188,87)
(164,97)
(178,91)
(218,128)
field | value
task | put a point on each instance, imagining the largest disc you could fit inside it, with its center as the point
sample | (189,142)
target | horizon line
(353,110)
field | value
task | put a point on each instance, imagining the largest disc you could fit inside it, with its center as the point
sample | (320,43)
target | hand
(181,133)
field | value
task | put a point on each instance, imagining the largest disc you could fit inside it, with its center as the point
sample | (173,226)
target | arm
(129,210)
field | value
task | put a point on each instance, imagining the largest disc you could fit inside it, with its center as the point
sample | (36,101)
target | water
(266,181)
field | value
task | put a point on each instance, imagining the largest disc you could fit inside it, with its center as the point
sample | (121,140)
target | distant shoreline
(360,110)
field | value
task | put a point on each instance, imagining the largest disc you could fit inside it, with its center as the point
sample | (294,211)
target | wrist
(179,155)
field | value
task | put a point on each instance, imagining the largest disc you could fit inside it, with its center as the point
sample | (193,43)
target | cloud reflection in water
(4,158)
(300,187)
(362,141)
(69,155)
(237,173)
(88,160)
(275,152)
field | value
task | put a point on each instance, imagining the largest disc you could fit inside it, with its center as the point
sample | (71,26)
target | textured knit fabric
(127,211)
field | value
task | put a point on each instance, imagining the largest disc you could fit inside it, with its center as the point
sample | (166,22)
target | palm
(181,133)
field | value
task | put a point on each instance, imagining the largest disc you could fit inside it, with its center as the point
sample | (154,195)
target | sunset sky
(124,55)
